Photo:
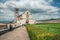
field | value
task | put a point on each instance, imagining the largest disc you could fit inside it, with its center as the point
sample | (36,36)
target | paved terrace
(17,34)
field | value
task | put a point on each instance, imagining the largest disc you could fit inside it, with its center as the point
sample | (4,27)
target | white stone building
(26,17)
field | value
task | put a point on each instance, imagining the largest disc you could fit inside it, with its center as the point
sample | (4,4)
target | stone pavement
(17,34)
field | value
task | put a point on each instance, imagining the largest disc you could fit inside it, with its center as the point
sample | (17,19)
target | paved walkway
(17,34)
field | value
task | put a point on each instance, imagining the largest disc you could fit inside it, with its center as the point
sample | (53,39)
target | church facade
(26,18)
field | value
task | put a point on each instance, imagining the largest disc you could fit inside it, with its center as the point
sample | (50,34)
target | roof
(27,11)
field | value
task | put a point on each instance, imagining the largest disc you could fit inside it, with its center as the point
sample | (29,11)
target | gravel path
(17,34)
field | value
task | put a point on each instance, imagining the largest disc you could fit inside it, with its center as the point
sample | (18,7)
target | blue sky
(40,9)
(56,3)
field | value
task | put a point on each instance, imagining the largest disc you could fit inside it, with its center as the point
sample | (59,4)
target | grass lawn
(44,31)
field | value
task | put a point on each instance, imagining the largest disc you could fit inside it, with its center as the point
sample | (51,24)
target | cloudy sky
(40,9)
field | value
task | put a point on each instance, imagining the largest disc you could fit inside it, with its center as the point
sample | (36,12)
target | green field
(46,31)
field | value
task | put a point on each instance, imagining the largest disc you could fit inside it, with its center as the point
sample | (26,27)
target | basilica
(22,19)
(26,18)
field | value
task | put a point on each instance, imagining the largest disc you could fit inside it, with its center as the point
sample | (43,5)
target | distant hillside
(49,21)
(6,21)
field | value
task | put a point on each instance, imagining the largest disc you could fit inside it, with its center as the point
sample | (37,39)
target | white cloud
(2,5)
(5,13)
(35,4)
(44,17)
(32,3)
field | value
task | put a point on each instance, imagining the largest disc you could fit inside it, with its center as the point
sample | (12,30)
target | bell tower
(16,14)
(16,11)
